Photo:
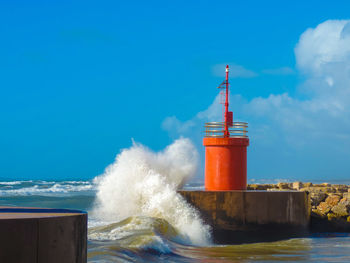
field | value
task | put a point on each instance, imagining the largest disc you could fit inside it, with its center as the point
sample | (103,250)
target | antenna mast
(227,115)
(227,133)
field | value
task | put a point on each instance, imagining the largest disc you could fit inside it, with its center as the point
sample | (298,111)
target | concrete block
(252,216)
(42,235)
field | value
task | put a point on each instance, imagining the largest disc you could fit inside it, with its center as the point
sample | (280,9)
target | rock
(308,184)
(316,213)
(272,186)
(323,208)
(297,185)
(330,190)
(314,189)
(284,185)
(333,199)
(346,196)
(340,188)
(317,198)
(332,216)
(251,186)
(342,209)
(323,185)
(256,187)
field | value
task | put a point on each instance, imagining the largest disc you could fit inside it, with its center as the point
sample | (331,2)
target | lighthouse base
(252,216)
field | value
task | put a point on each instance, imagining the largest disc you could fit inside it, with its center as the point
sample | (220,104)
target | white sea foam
(13,182)
(9,183)
(143,183)
(45,188)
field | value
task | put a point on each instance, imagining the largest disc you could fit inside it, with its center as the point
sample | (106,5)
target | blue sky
(79,80)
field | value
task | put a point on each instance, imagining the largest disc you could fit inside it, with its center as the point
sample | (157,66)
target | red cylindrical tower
(226,150)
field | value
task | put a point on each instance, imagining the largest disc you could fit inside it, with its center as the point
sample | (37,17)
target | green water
(144,239)
(325,248)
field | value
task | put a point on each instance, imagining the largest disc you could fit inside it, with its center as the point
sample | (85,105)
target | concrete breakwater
(252,216)
(267,212)
(329,203)
(42,235)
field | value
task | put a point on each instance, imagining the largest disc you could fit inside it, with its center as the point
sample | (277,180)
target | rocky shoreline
(329,203)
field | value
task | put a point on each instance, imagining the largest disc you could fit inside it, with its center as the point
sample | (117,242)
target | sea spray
(143,183)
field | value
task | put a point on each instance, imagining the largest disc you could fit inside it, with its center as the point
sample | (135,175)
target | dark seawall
(36,235)
(252,216)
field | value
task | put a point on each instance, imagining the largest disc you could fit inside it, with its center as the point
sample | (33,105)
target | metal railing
(217,129)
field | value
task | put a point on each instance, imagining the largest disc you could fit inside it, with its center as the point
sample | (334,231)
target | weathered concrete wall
(32,235)
(330,203)
(251,216)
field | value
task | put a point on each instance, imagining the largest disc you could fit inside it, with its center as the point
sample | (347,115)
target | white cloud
(175,127)
(236,71)
(323,47)
(323,56)
(317,129)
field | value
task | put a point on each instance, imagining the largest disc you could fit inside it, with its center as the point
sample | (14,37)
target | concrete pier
(36,235)
(252,216)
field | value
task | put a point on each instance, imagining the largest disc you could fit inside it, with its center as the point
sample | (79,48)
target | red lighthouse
(226,149)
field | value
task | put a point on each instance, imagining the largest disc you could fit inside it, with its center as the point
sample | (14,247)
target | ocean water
(153,239)
(135,214)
